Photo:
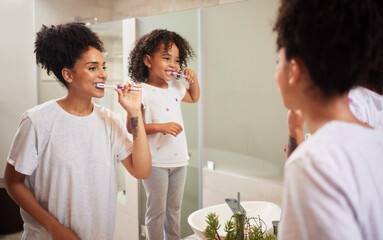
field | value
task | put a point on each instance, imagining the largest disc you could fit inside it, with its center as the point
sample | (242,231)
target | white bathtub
(254,178)
(239,164)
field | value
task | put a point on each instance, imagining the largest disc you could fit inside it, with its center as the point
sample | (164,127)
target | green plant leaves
(242,228)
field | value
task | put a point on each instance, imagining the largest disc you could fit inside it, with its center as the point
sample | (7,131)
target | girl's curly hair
(60,46)
(338,40)
(148,44)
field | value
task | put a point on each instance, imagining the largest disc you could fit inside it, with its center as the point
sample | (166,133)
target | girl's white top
(164,106)
(367,106)
(71,167)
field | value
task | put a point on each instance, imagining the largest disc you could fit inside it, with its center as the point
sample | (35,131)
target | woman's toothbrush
(103,85)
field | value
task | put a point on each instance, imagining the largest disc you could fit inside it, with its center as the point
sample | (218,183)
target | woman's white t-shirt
(71,167)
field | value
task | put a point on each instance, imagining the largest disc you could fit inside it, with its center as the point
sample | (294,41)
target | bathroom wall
(58,11)
(50,12)
(244,112)
(140,8)
(18,91)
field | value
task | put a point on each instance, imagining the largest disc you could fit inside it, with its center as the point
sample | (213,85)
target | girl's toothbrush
(103,85)
(178,74)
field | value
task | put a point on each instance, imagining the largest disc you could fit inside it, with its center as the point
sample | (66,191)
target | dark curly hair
(338,40)
(148,44)
(60,46)
(374,78)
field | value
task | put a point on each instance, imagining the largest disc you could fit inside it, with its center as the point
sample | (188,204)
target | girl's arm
(16,188)
(192,93)
(172,128)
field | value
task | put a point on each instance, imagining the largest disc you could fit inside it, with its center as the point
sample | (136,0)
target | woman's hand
(295,123)
(130,97)
(60,232)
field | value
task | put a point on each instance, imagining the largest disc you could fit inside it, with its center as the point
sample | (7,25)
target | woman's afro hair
(338,40)
(374,77)
(148,44)
(60,46)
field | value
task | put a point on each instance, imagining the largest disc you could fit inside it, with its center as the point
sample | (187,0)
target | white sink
(267,211)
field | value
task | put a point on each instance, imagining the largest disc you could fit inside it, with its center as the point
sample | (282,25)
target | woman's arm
(295,123)
(16,188)
(139,163)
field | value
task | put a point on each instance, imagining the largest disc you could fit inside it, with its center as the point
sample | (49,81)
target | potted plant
(239,227)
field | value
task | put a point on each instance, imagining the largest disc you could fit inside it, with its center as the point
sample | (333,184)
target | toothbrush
(178,74)
(102,85)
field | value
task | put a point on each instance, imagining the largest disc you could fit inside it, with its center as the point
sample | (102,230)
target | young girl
(332,181)
(62,165)
(154,61)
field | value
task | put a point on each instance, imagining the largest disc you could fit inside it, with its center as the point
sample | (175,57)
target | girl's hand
(191,76)
(172,128)
(63,233)
(129,99)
